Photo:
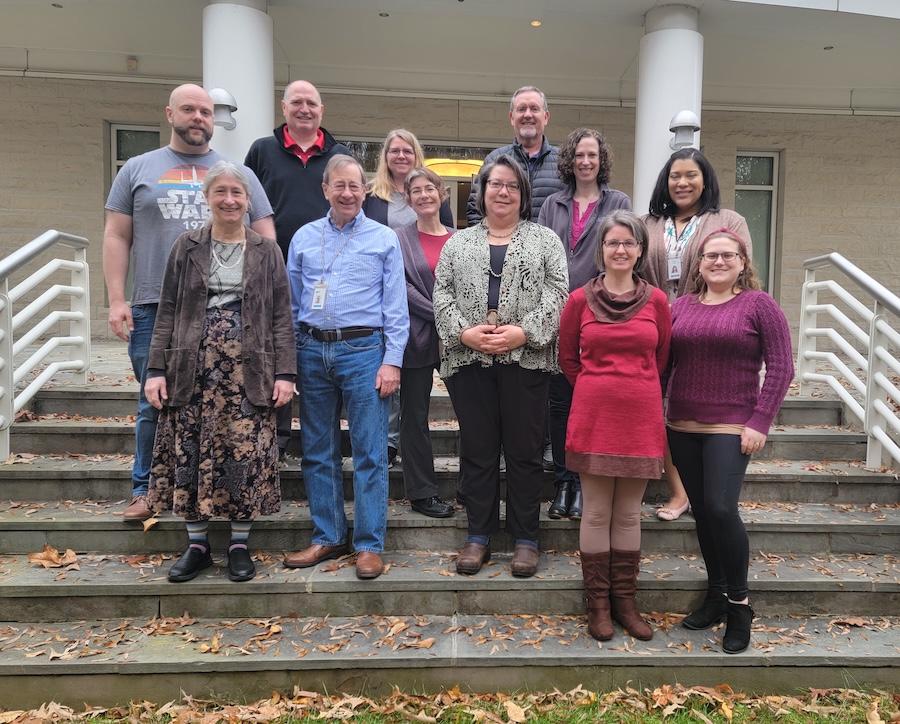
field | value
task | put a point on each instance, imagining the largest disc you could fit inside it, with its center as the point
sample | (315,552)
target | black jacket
(543,174)
(294,188)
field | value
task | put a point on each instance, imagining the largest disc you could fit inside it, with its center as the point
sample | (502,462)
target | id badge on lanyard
(673,264)
(318,296)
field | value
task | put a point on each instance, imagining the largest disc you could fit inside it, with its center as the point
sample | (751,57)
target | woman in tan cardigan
(684,209)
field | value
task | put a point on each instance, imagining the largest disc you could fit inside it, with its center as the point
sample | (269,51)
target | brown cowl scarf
(616,308)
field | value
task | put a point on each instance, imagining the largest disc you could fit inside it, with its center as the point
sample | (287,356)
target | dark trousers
(712,469)
(560,404)
(419,480)
(501,405)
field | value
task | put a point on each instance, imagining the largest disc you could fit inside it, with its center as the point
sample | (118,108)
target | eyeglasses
(340,187)
(629,244)
(401,152)
(512,187)
(419,190)
(727,256)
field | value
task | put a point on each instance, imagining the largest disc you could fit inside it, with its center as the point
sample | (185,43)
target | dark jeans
(560,404)
(712,469)
(501,405)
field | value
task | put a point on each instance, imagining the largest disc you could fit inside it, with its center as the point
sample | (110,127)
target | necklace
(233,264)
(500,236)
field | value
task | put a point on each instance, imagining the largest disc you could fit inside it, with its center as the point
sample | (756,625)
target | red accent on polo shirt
(291,145)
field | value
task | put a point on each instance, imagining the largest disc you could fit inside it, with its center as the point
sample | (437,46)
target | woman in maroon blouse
(723,331)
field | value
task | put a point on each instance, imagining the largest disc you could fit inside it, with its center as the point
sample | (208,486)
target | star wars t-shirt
(162,191)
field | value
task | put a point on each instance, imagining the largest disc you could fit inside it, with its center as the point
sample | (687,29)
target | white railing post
(874,448)
(806,343)
(80,304)
(7,386)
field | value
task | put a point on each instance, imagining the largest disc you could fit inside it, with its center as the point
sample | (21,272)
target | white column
(670,79)
(238,56)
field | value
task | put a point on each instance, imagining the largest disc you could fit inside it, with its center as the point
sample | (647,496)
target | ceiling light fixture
(540,21)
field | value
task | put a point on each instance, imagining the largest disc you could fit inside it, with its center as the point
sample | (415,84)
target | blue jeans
(327,374)
(144,317)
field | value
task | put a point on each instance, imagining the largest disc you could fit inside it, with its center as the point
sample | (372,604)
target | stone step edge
(145,575)
(171,646)
(799,517)
(108,465)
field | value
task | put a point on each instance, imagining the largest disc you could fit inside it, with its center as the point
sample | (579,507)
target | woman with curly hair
(575,214)
(723,331)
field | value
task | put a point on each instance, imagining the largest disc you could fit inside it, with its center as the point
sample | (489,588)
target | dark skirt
(217,456)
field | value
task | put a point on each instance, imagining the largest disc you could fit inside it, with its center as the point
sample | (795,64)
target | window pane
(756,208)
(754,170)
(131,143)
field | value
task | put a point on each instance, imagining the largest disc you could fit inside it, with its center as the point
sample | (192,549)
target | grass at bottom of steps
(673,704)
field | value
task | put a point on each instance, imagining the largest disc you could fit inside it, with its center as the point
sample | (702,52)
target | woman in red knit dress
(613,347)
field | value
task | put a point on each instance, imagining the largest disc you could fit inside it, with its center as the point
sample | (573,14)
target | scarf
(616,308)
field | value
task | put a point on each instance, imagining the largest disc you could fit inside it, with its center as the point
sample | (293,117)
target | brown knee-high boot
(595,569)
(623,569)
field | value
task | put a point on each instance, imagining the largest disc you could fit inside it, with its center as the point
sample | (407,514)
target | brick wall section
(841,174)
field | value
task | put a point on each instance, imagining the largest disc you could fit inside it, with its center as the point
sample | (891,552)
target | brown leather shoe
(472,557)
(368,565)
(314,554)
(138,510)
(524,561)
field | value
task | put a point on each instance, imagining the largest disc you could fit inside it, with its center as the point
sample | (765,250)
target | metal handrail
(874,389)
(14,338)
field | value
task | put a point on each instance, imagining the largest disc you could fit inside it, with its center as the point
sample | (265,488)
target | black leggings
(712,469)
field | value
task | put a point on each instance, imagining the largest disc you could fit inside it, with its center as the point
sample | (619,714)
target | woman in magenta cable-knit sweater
(613,347)
(718,416)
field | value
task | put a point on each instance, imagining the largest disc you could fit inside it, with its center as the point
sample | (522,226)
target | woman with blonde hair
(386,197)
(387,204)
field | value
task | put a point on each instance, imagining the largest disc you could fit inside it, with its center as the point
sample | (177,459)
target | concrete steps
(426,583)
(83,476)
(824,532)
(789,528)
(161,659)
(53,435)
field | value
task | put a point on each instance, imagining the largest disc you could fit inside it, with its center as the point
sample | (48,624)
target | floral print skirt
(217,456)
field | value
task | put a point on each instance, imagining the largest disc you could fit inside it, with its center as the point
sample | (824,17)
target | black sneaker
(392,456)
(433,507)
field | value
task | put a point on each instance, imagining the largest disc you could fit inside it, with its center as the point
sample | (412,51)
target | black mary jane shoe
(192,561)
(559,508)
(737,629)
(240,565)
(577,506)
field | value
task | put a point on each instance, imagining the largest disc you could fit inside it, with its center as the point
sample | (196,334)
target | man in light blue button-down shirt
(348,293)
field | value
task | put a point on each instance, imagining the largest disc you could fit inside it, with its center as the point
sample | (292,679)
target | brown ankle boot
(623,573)
(595,569)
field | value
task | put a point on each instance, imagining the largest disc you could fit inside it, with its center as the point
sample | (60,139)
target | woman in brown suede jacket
(222,357)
